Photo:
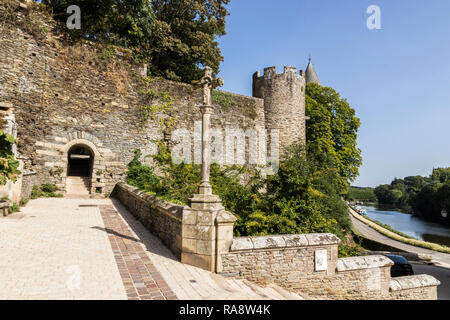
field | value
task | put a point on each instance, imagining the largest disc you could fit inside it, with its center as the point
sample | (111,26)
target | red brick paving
(141,279)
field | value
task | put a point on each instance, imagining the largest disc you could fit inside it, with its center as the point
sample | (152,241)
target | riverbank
(438,258)
(408,225)
(397,237)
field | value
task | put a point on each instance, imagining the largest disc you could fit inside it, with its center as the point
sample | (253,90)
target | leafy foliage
(301,198)
(158,105)
(332,130)
(423,196)
(8,165)
(184,38)
(126,23)
(176,38)
(361,194)
(47,190)
(224,99)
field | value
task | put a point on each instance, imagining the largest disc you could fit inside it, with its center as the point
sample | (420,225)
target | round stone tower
(284,103)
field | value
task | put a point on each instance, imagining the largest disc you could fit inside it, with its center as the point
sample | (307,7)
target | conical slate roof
(311,75)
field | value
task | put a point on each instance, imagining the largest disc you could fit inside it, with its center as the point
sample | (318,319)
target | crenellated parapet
(270,73)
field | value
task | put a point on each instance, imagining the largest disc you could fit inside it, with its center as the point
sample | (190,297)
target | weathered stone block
(268,242)
(319,239)
(298,240)
(205,262)
(363,262)
(244,243)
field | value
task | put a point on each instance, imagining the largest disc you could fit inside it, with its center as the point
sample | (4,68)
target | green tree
(184,39)
(441,175)
(332,130)
(361,194)
(119,22)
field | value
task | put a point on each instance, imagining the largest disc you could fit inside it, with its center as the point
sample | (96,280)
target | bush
(14,208)
(47,190)
(302,198)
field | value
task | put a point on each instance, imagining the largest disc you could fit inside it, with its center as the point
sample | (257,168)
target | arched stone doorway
(80,161)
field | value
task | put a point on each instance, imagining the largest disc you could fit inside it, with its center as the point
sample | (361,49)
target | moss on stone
(223,99)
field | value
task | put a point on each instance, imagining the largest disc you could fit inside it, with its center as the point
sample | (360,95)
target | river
(412,226)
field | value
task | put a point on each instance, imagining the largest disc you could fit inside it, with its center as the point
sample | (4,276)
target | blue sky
(396,78)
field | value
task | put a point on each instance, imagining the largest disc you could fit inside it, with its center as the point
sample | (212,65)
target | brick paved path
(139,275)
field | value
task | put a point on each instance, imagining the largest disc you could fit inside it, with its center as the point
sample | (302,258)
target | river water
(411,226)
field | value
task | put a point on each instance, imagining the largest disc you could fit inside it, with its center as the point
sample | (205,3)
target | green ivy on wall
(158,106)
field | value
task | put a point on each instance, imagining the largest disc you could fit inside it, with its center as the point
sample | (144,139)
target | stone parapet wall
(162,218)
(419,287)
(290,261)
(201,235)
(365,277)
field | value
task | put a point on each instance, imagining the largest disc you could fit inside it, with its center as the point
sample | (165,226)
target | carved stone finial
(208,83)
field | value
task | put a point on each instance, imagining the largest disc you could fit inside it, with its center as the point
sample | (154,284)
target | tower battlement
(271,73)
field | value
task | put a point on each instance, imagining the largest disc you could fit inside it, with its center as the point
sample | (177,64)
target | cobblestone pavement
(95,249)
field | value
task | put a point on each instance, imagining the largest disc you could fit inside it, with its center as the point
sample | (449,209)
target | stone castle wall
(67,94)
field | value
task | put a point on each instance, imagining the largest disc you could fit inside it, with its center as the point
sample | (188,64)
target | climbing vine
(158,106)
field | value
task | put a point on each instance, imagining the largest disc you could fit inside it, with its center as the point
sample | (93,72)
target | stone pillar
(205,186)
(199,231)
(224,236)
(207,229)
(207,232)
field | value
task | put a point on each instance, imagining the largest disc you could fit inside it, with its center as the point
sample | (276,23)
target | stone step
(78,186)
(287,295)
(237,289)
(241,289)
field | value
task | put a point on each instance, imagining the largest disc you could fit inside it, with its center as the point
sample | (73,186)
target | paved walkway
(441,259)
(95,249)
(55,249)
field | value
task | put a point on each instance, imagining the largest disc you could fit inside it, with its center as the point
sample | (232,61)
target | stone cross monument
(207,226)
(207,83)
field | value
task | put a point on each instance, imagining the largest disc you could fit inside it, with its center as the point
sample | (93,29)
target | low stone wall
(288,261)
(202,235)
(365,277)
(162,218)
(294,263)
(419,287)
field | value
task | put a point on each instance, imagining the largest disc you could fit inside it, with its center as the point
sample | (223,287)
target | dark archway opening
(80,162)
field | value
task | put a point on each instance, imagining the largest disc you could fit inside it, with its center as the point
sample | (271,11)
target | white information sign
(321,260)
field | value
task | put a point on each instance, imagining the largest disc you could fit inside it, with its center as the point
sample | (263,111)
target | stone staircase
(78,187)
(241,289)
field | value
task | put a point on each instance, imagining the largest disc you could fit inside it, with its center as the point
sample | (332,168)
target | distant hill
(363,194)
